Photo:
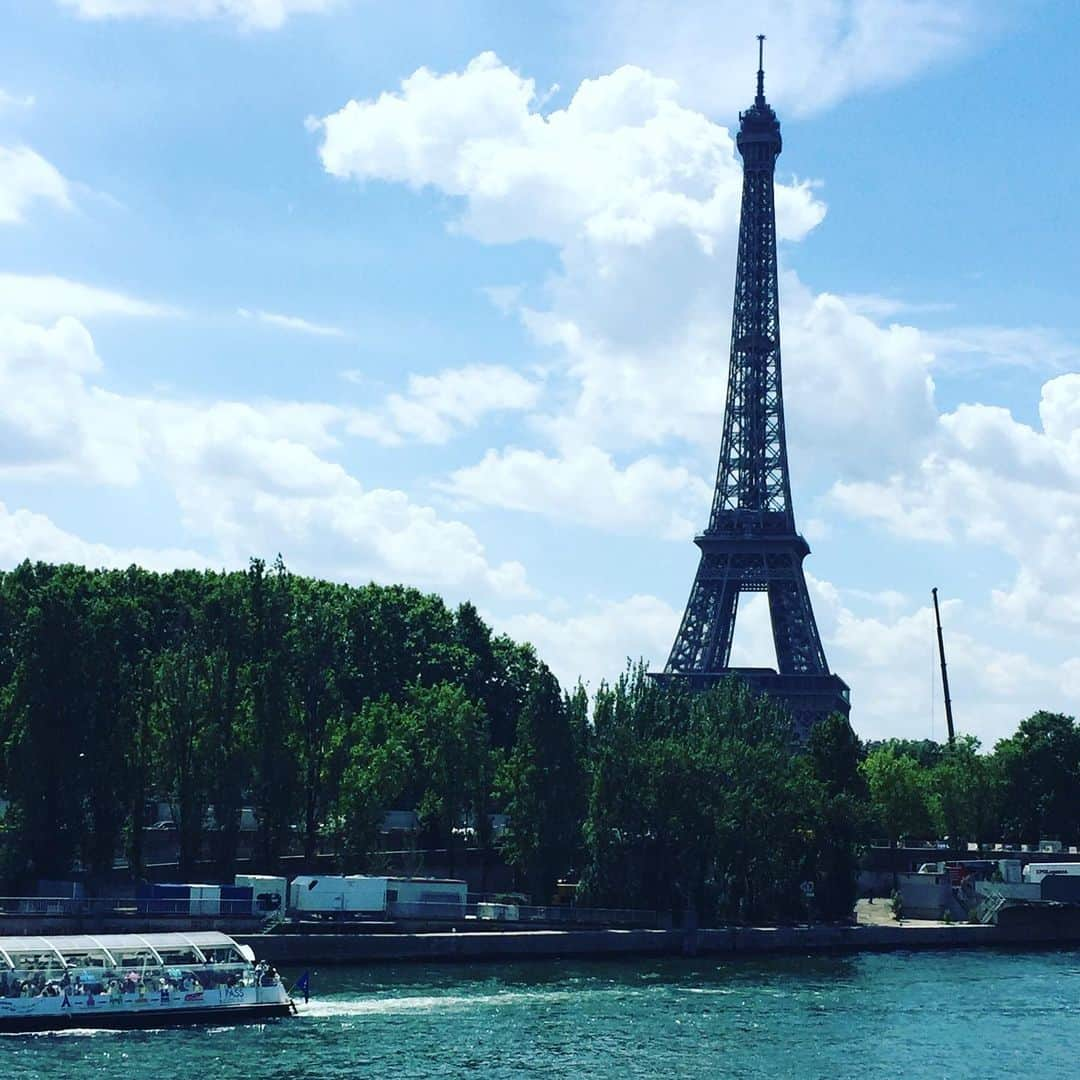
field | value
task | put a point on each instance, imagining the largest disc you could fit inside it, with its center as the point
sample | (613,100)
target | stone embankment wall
(294,950)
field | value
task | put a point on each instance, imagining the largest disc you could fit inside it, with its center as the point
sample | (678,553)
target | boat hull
(232,1005)
(125,1020)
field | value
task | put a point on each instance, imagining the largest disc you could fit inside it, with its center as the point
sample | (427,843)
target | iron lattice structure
(751,543)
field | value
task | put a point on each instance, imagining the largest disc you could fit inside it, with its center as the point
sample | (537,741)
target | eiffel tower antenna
(751,543)
(760,99)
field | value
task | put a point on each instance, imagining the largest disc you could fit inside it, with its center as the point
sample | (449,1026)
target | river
(919,1015)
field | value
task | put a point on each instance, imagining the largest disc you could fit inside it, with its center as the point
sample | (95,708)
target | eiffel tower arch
(751,543)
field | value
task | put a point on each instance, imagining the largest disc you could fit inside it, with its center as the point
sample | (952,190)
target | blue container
(155,899)
(237,899)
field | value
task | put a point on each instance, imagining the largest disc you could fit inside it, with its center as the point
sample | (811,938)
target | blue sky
(440,293)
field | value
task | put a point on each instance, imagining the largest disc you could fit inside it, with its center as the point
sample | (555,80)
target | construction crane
(944,671)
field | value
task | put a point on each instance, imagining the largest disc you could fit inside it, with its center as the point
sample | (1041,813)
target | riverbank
(294,950)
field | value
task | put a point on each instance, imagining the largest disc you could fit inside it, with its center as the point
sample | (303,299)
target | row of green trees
(1026,789)
(323,705)
(316,704)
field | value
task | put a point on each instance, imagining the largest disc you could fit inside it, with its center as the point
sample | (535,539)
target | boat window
(223,954)
(35,961)
(178,954)
(83,958)
(134,958)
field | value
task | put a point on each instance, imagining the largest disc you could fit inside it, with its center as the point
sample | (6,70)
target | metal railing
(124,905)
(475,912)
(521,914)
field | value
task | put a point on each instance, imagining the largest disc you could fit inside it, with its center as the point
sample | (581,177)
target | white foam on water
(381,1006)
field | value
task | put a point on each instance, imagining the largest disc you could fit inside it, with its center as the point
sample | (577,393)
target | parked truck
(358,895)
(1034,872)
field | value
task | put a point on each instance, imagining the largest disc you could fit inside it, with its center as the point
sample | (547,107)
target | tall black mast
(944,671)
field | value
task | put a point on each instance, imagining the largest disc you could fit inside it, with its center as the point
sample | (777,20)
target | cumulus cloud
(246,477)
(250,14)
(596,642)
(622,162)
(436,406)
(28,535)
(51,421)
(586,486)
(989,479)
(641,196)
(26,178)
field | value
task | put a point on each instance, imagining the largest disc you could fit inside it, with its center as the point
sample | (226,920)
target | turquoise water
(932,1014)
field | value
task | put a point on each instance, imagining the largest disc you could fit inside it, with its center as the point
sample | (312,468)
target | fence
(475,912)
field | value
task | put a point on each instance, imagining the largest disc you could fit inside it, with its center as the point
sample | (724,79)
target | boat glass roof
(113,943)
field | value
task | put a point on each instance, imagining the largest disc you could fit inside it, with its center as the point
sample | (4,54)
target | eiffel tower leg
(795,632)
(704,639)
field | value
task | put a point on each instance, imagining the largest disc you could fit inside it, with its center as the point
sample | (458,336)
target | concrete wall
(297,950)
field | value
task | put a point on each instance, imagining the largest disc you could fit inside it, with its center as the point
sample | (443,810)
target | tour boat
(134,981)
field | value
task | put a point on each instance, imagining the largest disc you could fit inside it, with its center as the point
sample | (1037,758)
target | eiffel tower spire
(751,543)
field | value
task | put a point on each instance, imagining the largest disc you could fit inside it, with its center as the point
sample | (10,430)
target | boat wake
(382,1006)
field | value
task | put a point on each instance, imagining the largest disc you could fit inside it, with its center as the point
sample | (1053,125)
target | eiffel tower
(751,544)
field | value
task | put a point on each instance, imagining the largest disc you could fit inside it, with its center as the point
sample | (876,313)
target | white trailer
(268,893)
(354,894)
(417,898)
(1036,871)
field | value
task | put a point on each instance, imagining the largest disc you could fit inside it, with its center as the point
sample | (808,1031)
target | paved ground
(879,913)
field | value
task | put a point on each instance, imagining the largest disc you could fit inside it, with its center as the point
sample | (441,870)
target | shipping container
(205,899)
(237,900)
(158,899)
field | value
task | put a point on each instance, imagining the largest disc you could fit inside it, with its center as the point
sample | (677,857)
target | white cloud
(15,101)
(818,52)
(585,485)
(641,195)
(51,421)
(25,178)
(250,14)
(246,477)
(978,347)
(622,162)
(891,664)
(989,479)
(597,642)
(291,322)
(28,535)
(436,406)
(47,297)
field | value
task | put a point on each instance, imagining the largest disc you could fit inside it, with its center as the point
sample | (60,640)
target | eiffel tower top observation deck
(751,543)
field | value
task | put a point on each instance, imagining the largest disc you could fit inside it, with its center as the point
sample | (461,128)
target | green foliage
(1040,779)
(214,691)
(544,785)
(964,789)
(699,803)
(835,753)
(899,792)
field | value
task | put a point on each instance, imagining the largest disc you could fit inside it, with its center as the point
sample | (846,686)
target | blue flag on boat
(303,984)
